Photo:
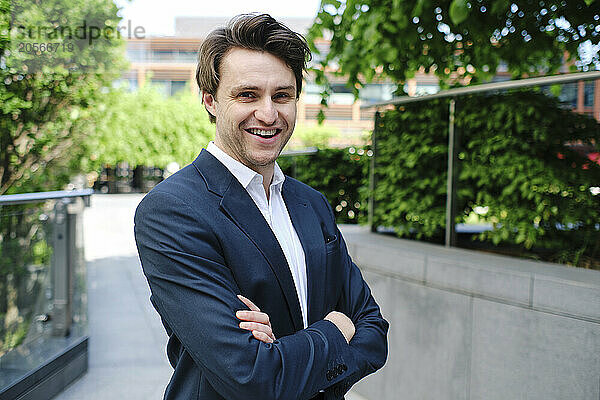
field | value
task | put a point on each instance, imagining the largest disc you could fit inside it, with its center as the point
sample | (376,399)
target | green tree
(146,128)
(455,38)
(53,74)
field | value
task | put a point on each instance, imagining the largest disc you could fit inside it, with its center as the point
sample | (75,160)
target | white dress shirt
(275,213)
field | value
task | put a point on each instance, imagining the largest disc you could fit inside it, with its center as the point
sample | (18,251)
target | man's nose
(266,111)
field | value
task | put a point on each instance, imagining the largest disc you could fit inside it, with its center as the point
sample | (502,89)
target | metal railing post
(452,177)
(61,282)
(372,176)
(67,258)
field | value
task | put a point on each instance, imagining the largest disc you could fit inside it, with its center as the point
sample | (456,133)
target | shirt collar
(278,177)
(241,172)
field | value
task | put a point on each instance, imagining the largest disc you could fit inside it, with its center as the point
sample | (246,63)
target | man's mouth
(264,133)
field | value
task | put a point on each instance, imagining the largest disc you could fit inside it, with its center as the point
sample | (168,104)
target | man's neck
(266,171)
(267,174)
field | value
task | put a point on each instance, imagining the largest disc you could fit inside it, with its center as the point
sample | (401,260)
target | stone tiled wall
(470,325)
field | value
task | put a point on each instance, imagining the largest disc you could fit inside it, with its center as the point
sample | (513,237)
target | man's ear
(209,102)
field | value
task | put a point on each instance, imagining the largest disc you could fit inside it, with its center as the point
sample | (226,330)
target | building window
(133,84)
(588,94)
(376,92)
(136,55)
(341,94)
(177,86)
(312,93)
(187,56)
(168,87)
(568,94)
(182,56)
(161,56)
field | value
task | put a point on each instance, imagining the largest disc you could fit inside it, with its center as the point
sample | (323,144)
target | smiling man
(246,266)
(254,108)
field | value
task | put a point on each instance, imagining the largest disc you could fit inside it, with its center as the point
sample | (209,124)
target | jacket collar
(219,178)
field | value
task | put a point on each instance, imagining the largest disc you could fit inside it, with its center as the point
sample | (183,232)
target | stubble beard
(239,149)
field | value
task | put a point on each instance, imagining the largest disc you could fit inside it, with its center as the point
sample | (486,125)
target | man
(247,269)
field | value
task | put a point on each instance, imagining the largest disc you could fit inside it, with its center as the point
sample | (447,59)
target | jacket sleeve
(195,294)
(369,344)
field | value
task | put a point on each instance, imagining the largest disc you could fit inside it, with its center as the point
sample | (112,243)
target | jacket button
(329,375)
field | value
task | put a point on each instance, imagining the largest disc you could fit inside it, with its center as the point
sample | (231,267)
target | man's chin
(264,160)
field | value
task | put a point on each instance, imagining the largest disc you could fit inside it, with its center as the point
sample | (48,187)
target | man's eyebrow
(241,88)
(289,87)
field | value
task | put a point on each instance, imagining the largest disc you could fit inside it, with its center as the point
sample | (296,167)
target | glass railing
(25,284)
(42,286)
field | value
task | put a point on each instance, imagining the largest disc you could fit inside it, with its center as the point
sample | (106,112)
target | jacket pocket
(331,244)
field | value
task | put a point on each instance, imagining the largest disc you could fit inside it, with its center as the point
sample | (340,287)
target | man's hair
(259,32)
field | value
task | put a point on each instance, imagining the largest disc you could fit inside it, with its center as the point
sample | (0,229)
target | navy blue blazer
(201,241)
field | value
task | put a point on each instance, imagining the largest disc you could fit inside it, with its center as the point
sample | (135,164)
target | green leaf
(589,2)
(418,10)
(321,117)
(459,11)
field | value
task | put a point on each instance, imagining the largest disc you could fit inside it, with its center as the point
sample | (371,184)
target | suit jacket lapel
(239,206)
(308,228)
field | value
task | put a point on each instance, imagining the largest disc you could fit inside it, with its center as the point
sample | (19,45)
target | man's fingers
(248,303)
(255,321)
(263,337)
(253,326)
(253,316)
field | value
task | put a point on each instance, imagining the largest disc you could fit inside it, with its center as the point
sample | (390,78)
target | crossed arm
(258,322)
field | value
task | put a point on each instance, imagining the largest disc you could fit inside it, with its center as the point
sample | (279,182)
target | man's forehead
(244,67)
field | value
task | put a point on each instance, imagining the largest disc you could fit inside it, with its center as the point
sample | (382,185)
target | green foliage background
(313,136)
(340,174)
(146,128)
(456,39)
(47,99)
(513,160)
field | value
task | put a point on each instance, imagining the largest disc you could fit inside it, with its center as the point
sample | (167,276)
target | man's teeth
(263,133)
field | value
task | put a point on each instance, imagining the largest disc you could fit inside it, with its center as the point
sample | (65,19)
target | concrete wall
(470,325)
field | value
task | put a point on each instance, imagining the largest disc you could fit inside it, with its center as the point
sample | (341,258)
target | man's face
(255,107)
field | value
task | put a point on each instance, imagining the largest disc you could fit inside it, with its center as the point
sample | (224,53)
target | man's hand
(255,321)
(343,323)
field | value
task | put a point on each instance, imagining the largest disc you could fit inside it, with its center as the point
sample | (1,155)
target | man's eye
(246,94)
(282,96)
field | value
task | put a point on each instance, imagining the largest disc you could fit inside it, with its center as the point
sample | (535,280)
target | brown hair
(254,32)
